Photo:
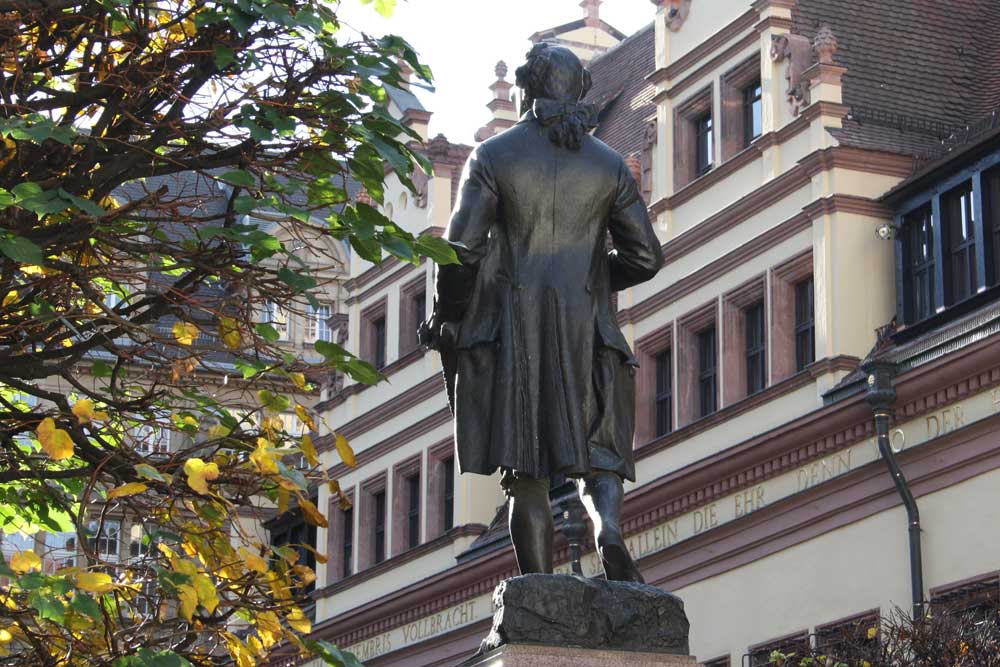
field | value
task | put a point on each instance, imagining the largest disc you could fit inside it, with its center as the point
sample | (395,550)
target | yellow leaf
(185,332)
(345,451)
(189,600)
(298,379)
(306,574)
(253,561)
(872,632)
(208,595)
(309,450)
(25,561)
(298,621)
(229,332)
(283,497)
(11,297)
(269,628)
(130,489)
(9,149)
(242,655)
(304,417)
(263,457)
(95,582)
(312,514)
(55,441)
(6,637)
(200,473)
(217,431)
(84,411)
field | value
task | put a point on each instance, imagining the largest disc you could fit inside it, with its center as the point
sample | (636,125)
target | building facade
(823,177)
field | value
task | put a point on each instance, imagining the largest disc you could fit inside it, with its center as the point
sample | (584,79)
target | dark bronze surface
(540,377)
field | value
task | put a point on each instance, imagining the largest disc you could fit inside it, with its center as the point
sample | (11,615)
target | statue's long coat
(544,376)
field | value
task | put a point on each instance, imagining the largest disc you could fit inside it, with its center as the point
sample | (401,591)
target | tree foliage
(156,158)
(944,638)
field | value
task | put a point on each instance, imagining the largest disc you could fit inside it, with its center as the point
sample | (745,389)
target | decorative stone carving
(798,51)
(566,610)
(419,179)
(825,44)
(677,14)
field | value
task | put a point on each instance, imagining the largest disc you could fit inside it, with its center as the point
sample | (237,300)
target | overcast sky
(462,40)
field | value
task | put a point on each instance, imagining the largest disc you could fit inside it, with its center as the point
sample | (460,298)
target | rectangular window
(277,317)
(318,324)
(805,324)
(413,511)
(449,493)
(752,113)
(664,392)
(412,312)
(704,148)
(104,544)
(347,553)
(960,244)
(378,526)
(378,343)
(756,348)
(707,372)
(918,259)
(292,531)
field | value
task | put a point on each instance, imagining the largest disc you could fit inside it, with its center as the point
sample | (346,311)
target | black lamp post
(881,395)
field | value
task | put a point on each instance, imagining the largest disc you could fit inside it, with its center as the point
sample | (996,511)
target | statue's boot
(531,525)
(603,495)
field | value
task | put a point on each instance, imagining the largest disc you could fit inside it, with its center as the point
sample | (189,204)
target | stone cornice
(704,49)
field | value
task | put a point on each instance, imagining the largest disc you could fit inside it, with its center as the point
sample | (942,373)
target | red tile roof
(623,94)
(917,69)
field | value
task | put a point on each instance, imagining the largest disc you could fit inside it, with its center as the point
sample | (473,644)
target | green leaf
(21,249)
(149,658)
(26,190)
(267,332)
(224,56)
(48,607)
(239,177)
(332,655)
(436,249)
(6,198)
(147,471)
(273,402)
(297,281)
(86,605)
(100,369)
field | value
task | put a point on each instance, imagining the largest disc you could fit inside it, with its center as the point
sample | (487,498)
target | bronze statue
(540,377)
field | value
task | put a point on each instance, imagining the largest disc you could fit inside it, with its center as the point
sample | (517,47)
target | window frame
(957,251)
(369,344)
(686,147)
(663,398)
(366,535)
(647,349)
(783,279)
(317,326)
(736,353)
(440,459)
(755,350)
(805,328)
(410,315)
(687,362)
(402,504)
(708,373)
(737,120)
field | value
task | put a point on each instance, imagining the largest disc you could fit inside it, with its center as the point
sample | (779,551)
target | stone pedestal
(526,655)
(559,620)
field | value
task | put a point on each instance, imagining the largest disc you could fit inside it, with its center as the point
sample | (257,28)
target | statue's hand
(437,334)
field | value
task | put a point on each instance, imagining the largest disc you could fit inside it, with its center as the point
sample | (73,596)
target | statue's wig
(555,74)
(552,72)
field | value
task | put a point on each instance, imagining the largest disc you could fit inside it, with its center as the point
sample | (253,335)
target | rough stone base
(525,655)
(567,611)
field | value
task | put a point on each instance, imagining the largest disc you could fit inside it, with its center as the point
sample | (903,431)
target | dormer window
(948,241)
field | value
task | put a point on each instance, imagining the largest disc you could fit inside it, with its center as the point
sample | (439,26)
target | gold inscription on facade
(824,469)
(750,500)
(440,622)
(945,421)
(653,540)
(897,440)
(370,648)
(705,518)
